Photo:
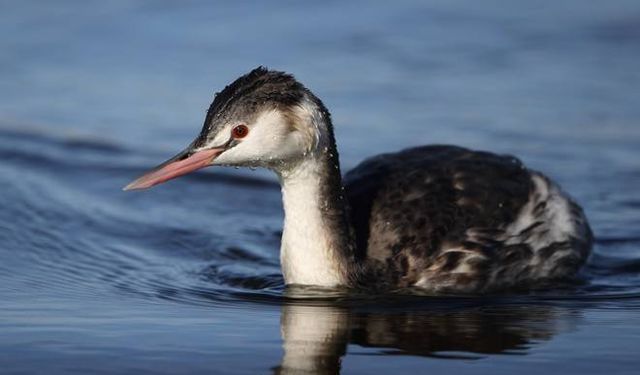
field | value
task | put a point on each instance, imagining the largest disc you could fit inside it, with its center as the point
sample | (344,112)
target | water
(185,278)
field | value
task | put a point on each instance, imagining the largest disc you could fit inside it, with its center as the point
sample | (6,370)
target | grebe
(442,218)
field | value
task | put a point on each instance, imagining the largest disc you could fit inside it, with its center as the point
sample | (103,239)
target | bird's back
(448,218)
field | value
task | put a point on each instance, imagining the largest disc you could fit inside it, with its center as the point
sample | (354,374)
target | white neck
(308,251)
(317,245)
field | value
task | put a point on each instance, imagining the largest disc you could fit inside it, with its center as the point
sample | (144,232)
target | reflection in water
(316,337)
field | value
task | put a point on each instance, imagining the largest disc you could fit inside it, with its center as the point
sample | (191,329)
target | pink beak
(179,165)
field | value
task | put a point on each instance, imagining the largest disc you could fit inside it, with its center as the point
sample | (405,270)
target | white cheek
(263,150)
(270,141)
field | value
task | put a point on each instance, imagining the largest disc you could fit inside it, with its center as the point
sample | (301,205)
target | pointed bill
(181,164)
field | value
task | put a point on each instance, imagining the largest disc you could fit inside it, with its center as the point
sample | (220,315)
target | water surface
(185,278)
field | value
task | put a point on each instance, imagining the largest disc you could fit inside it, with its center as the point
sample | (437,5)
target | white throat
(313,248)
(307,254)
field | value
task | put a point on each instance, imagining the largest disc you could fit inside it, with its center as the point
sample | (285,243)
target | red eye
(240,131)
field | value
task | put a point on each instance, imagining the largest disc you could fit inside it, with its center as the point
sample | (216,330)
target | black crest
(261,86)
(250,93)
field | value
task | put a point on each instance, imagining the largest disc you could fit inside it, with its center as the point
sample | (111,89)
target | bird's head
(263,119)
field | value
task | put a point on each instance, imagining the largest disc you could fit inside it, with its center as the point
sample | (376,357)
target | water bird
(437,217)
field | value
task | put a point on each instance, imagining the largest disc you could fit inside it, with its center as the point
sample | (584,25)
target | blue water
(185,278)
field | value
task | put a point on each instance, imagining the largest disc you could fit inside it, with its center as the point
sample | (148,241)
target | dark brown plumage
(443,218)
(408,208)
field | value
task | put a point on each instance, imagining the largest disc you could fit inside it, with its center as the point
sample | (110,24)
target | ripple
(71,232)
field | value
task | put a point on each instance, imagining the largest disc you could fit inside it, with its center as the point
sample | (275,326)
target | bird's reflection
(315,338)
